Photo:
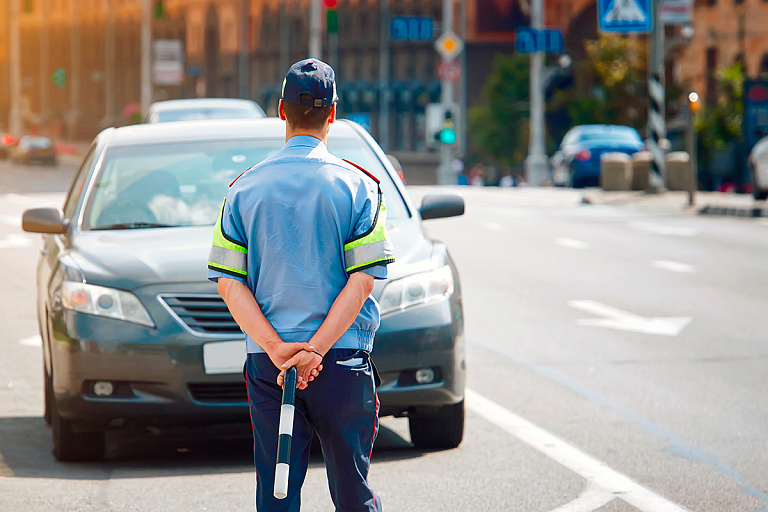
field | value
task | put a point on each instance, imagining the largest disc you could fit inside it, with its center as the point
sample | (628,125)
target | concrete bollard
(641,170)
(615,171)
(678,170)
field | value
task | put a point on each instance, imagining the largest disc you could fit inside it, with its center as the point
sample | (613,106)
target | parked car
(758,169)
(203,108)
(133,332)
(34,149)
(577,161)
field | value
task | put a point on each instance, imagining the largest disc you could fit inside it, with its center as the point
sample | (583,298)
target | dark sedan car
(135,335)
(31,149)
(577,162)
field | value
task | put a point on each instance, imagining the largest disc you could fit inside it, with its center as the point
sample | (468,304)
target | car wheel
(757,192)
(444,430)
(575,181)
(71,446)
(47,396)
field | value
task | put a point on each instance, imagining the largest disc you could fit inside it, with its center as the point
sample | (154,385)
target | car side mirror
(439,206)
(43,220)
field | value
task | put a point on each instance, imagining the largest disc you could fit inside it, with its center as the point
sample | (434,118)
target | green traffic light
(447,136)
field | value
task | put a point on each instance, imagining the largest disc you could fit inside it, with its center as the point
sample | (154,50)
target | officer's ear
(281,110)
(332,115)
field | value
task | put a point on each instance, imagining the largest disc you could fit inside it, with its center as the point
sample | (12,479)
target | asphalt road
(616,362)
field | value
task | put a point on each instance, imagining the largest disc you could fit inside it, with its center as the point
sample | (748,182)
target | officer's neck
(318,134)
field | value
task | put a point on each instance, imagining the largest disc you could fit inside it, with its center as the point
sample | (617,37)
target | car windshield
(36,142)
(168,116)
(624,135)
(183,184)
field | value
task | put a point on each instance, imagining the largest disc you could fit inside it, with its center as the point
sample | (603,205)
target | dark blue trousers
(341,405)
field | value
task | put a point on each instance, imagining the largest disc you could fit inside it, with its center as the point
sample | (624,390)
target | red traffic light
(330,4)
(7,139)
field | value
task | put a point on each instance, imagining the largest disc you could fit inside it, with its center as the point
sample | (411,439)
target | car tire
(757,192)
(47,396)
(441,431)
(574,181)
(71,446)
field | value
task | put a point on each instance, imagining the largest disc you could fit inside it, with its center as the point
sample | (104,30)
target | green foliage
(720,124)
(499,128)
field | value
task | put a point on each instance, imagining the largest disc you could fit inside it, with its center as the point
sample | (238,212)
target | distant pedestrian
(300,239)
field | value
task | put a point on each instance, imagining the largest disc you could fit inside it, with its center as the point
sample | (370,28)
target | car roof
(603,127)
(216,129)
(184,104)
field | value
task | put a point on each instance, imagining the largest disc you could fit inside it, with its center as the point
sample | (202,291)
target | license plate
(224,357)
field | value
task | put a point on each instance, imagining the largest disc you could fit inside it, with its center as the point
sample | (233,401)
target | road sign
(411,28)
(676,12)
(449,71)
(449,45)
(531,40)
(624,16)
(755,111)
(168,62)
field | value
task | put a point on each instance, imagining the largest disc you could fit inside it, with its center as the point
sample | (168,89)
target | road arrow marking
(32,341)
(625,321)
(14,241)
(673,266)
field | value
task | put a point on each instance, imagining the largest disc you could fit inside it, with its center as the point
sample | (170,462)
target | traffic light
(331,17)
(159,11)
(694,102)
(447,133)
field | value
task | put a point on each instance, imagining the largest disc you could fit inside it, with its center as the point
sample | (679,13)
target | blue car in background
(577,161)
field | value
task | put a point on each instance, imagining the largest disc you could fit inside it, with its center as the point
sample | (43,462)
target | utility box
(641,170)
(678,170)
(615,171)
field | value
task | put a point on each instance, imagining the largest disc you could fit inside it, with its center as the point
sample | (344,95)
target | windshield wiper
(134,225)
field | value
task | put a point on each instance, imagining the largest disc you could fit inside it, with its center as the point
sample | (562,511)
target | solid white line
(673,266)
(32,341)
(658,229)
(493,227)
(14,242)
(571,243)
(591,499)
(570,457)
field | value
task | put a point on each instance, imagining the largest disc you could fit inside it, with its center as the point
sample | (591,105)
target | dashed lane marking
(571,243)
(658,229)
(674,266)
(32,341)
(597,473)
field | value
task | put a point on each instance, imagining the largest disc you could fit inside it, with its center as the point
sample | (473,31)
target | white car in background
(758,169)
(203,108)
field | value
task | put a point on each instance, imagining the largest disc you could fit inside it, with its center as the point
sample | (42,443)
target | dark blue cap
(313,77)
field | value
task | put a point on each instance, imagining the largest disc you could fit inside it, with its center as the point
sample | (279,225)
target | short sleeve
(229,250)
(370,248)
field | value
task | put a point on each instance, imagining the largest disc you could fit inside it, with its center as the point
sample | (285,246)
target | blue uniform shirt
(293,228)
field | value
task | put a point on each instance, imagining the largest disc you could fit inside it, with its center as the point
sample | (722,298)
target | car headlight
(101,301)
(416,289)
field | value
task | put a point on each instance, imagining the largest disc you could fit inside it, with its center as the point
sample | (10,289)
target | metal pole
(315,44)
(384,77)
(656,117)
(74,84)
(146,41)
(44,63)
(285,39)
(15,62)
(690,139)
(445,171)
(109,65)
(536,163)
(463,115)
(243,72)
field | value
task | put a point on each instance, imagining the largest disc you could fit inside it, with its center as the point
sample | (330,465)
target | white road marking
(571,243)
(11,220)
(14,241)
(32,341)
(673,266)
(658,229)
(594,471)
(625,321)
(591,499)
(493,227)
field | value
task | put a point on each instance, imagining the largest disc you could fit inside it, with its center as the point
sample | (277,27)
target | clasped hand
(301,355)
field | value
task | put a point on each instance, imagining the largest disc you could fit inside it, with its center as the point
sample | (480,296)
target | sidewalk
(706,203)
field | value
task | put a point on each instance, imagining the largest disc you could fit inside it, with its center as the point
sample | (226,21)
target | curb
(749,212)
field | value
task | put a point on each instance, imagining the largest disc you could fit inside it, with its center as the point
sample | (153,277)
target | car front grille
(219,392)
(205,315)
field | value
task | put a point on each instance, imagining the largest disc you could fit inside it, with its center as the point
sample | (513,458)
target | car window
(182,184)
(204,113)
(76,188)
(615,135)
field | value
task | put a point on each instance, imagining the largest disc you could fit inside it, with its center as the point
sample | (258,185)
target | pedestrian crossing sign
(625,16)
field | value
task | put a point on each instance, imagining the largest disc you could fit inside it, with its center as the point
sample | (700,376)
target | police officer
(300,239)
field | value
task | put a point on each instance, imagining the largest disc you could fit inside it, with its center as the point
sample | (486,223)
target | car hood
(132,258)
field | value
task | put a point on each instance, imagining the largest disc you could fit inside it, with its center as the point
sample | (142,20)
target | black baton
(285,433)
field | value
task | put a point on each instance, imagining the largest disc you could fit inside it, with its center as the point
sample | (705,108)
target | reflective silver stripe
(228,258)
(368,253)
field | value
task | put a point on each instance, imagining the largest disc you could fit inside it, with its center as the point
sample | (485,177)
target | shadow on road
(25,452)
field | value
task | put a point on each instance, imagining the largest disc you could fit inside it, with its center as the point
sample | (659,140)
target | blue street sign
(625,16)
(361,118)
(530,41)
(411,28)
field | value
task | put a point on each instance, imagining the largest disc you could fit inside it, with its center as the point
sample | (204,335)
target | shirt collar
(306,141)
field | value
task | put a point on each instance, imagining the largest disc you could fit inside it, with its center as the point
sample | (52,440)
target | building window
(711,59)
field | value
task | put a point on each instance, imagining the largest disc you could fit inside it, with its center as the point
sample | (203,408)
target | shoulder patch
(241,174)
(374,178)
